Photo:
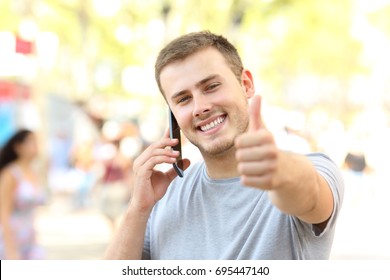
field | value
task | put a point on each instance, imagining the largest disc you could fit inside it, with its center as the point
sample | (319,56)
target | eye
(212,86)
(183,99)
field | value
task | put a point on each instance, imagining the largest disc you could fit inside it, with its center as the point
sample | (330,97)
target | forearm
(148,187)
(299,190)
(10,246)
(129,239)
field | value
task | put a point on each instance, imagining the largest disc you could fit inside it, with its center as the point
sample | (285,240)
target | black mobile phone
(174,132)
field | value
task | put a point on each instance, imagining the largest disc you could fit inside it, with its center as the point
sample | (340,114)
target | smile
(212,124)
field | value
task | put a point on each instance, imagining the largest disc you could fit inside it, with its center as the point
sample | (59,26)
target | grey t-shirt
(202,218)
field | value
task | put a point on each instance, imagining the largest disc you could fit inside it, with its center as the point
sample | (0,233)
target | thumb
(255,120)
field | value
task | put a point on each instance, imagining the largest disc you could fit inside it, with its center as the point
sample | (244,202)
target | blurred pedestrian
(114,190)
(20,193)
(82,174)
(355,162)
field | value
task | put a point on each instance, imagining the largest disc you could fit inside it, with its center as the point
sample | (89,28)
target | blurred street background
(81,75)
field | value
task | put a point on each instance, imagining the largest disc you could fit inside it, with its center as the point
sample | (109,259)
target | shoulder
(10,170)
(7,178)
(326,166)
(319,157)
(329,170)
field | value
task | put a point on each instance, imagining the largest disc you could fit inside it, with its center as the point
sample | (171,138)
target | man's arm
(293,183)
(299,190)
(129,239)
(149,186)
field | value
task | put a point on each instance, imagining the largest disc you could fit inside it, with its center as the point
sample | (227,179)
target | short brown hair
(183,46)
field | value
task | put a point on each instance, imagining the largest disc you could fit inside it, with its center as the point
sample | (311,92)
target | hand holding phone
(174,133)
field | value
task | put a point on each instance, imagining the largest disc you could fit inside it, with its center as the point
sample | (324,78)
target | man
(247,199)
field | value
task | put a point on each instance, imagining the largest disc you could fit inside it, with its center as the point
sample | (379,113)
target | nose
(201,105)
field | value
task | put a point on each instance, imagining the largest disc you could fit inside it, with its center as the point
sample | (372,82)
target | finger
(255,121)
(153,161)
(257,168)
(155,149)
(256,153)
(159,156)
(260,137)
(263,182)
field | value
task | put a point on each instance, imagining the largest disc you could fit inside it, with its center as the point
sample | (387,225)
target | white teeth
(213,124)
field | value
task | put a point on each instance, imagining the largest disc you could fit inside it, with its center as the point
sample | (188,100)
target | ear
(247,83)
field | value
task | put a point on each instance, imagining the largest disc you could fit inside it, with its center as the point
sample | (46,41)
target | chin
(216,150)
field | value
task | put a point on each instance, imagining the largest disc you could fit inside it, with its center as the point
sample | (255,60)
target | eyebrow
(198,84)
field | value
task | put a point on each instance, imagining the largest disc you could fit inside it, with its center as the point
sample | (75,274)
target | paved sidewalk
(67,234)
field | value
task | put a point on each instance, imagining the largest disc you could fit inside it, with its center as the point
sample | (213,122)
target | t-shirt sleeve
(332,174)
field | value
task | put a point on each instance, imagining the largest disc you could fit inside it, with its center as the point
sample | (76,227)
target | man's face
(208,101)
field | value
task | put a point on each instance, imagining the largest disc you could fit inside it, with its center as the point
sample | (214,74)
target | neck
(23,163)
(222,166)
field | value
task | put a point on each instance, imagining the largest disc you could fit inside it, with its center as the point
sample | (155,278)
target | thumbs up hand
(256,151)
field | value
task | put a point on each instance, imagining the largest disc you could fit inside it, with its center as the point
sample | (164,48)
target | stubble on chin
(217,150)
(220,147)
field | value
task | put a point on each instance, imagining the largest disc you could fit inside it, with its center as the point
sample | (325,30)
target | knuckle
(136,164)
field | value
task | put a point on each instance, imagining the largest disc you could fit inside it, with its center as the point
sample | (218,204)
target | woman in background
(19,195)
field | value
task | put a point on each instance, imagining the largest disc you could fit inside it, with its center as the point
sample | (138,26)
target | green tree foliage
(281,39)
